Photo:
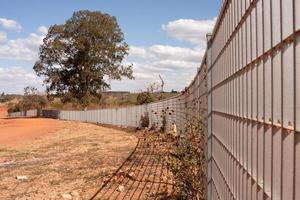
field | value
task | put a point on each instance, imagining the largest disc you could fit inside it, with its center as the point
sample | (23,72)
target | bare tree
(162,87)
(32,100)
(153,87)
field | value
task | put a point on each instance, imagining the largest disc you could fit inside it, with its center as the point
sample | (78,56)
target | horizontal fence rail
(246,94)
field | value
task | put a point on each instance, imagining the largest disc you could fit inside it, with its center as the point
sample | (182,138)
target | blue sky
(166,37)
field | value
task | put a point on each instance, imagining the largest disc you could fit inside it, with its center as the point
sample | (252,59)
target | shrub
(31,100)
(13,108)
(163,127)
(144,98)
(5,98)
(187,161)
(145,121)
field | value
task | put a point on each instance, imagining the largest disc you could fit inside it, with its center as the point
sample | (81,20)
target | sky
(166,37)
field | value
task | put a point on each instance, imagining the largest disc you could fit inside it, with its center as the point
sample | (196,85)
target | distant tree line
(7,97)
(30,100)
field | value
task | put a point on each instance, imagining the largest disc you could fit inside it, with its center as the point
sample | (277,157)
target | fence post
(209,119)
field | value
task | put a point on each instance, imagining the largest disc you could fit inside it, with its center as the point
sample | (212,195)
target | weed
(187,162)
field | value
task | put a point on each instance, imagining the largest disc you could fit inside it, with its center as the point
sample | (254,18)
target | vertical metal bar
(281,117)
(294,99)
(272,99)
(209,78)
(263,92)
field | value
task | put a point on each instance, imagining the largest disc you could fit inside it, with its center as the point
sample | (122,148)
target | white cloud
(175,53)
(3,36)
(176,64)
(144,74)
(14,79)
(149,68)
(22,48)
(160,58)
(137,51)
(42,30)
(10,24)
(190,30)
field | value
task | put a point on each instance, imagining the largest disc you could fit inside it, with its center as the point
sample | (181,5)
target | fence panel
(258,100)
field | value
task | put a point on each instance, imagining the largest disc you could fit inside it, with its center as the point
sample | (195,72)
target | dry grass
(74,160)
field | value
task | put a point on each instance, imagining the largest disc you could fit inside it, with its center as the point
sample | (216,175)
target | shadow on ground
(144,174)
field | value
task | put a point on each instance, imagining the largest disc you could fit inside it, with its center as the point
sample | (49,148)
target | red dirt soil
(14,131)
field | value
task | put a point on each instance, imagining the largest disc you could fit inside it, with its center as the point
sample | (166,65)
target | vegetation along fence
(247,92)
(180,109)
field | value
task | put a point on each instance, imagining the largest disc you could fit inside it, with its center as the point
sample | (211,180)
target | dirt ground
(49,159)
(18,130)
(144,175)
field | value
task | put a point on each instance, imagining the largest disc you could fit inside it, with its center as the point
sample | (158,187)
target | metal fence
(188,105)
(249,102)
(29,113)
(254,123)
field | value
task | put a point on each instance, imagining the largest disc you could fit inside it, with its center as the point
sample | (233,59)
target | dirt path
(19,130)
(142,176)
(71,161)
(14,131)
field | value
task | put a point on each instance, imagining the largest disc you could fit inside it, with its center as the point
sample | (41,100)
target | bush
(5,98)
(144,98)
(31,100)
(163,127)
(13,108)
(188,162)
(145,121)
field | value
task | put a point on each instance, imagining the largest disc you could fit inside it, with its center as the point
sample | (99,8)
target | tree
(79,57)
(162,87)
(148,95)
(144,97)
(153,88)
(5,97)
(31,100)
(13,107)
(2,97)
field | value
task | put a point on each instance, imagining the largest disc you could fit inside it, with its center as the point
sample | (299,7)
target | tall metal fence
(246,93)
(254,107)
(190,104)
